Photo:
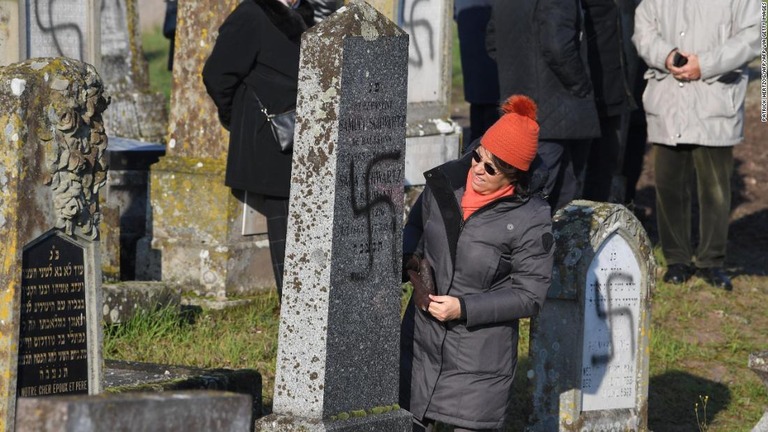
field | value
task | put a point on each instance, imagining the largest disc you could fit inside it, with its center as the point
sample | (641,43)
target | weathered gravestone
(51,171)
(590,342)
(758,362)
(433,138)
(338,347)
(197,232)
(12,31)
(135,112)
(65,28)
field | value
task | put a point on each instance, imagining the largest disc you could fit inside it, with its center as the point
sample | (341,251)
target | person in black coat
(481,80)
(257,53)
(539,51)
(608,67)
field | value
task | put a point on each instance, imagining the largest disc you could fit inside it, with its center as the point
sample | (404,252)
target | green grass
(156,48)
(242,337)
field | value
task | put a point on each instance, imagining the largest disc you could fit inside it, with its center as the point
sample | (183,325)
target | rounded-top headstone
(589,344)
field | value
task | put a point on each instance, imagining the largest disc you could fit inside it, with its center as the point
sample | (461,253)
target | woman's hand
(444,308)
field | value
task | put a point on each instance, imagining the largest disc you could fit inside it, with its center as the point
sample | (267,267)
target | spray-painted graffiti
(416,23)
(371,202)
(607,313)
(612,302)
(58,29)
(424,21)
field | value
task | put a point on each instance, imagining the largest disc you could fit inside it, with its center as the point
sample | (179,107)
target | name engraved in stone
(373,122)
(611,327)
(370,160)
(53,355)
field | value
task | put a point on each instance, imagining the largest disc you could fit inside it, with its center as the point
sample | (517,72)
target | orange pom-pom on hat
(515,136)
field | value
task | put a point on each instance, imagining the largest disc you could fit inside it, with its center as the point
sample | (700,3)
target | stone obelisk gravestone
(338,349)
(52,169)
(196,241)
(590,343)
(68,28)
(12,31)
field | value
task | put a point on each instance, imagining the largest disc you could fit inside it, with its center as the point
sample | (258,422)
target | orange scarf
(471,201)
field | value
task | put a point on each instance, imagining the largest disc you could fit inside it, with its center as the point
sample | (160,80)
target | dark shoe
(677,274)
(716,277)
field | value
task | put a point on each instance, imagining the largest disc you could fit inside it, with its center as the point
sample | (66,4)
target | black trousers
(566,160)
(428,425)
(275,210)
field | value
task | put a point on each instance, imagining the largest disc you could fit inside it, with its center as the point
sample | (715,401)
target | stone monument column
(196,233)
(338,347)
(590,342)
(52,166)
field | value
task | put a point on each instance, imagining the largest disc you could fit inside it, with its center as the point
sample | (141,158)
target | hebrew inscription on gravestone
(53,353)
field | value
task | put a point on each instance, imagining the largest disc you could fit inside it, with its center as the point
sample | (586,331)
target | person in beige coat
(696,53)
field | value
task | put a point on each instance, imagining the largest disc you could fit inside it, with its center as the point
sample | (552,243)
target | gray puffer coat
(499,262)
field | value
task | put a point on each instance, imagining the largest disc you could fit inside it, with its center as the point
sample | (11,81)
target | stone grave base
(395,421)
(198,411)
(131,377)
(122,300)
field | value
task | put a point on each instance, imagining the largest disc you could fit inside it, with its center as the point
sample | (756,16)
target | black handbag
(282,126)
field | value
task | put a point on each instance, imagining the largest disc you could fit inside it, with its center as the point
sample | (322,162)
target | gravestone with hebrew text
(590,342)
(338,346)
(53,166)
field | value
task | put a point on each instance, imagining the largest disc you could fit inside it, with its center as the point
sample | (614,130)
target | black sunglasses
(488,167)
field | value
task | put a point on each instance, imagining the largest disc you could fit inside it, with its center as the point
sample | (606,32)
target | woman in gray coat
(488,240)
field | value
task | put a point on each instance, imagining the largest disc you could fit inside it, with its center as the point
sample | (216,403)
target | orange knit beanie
(515,136)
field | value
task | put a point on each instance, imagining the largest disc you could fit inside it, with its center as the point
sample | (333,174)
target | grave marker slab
(338,348)
(65,28)
(189,411)
(589,344)
(53,353)
(53,166)
(433,138)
